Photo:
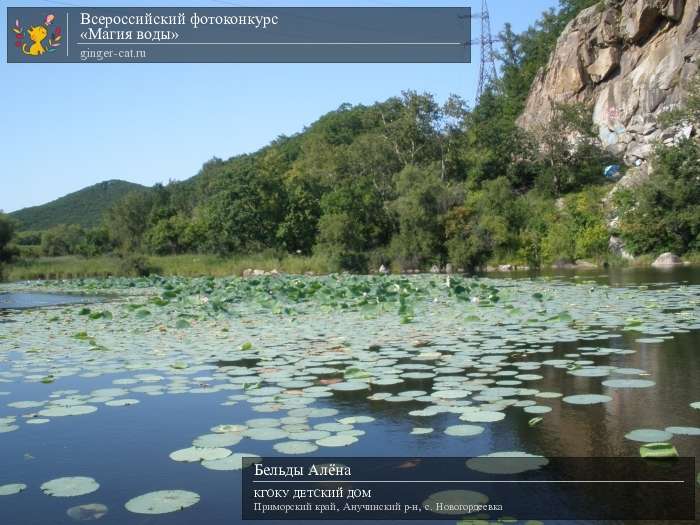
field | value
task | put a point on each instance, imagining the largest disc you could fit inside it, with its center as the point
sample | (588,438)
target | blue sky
(69,126)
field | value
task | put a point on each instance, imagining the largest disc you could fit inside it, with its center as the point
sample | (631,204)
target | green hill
(84,207)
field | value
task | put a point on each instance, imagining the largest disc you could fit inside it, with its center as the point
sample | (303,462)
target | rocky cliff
(630,60)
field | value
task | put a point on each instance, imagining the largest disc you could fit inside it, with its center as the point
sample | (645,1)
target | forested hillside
(84,207)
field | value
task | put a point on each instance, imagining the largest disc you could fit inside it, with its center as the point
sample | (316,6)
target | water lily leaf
(648,435)
(295,447)
(162,502)
(70,486)
(217,440)
(464,430)
(87,512)
(232,462)
(452,502)
(684,431)
(628,383)
(336,441)
(506,463)
(586,399)
(195,454)
(658,450)
(12,488)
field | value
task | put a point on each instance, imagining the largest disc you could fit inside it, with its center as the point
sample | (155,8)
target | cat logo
(39,41)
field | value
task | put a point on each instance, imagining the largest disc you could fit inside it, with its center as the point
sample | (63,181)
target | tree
(569,156)
(7,232)
(423,200)
(353,219)
(127,220)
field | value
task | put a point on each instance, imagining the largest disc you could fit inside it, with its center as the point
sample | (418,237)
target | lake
(110,390)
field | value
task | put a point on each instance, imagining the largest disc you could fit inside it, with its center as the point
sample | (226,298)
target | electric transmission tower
(487,68)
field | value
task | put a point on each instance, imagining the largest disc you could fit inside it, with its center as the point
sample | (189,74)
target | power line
(487,66)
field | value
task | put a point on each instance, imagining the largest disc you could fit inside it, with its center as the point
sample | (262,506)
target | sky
(68,126)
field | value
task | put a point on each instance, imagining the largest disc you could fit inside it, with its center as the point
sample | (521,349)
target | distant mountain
(84,207)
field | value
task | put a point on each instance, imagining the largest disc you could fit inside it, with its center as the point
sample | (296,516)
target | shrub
(664,213)
(136,266)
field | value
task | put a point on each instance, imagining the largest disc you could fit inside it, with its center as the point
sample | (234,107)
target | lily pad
(336,441)
(586,399)
(464,430)
(482,416)
(70,486)
(684,431)
(11,489)
(658,451)
(648,435)
(506,463)
(453,501)
(295,447)
(87,512)
(232,462)
(162,502)
(194,454)
(628,383)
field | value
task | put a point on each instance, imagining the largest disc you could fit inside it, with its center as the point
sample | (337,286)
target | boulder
(435,269)
(248,272)
(607,61)
(639,18)
(383,270)
(449,268)
(667,260)
(617,247)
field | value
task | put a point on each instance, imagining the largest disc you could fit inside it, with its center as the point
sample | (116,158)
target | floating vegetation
(464,430)
(336,441)
(628,383)
(195,454)
(162,502)
(649,435)
(684,431)
(295,447)
(87,512)
(12,488)
(658,451)
(509,463)
(587,399)
(70,487)
(232,462)
(312,357)
(452,502)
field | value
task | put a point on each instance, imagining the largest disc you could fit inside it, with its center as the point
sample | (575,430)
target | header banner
(238,34)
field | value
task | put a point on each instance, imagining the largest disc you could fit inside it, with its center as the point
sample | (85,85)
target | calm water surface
(126,449)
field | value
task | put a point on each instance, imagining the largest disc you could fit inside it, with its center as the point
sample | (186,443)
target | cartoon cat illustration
(37,35)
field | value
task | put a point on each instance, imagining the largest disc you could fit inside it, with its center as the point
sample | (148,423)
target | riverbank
(71,267)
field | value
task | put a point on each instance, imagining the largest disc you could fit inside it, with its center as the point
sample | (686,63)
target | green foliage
(664,214)
(74,240)
(136,266)
(423,199)
(85,207)
(7,250)
(569,157)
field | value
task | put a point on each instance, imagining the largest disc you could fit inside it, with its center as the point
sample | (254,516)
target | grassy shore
(71,267)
